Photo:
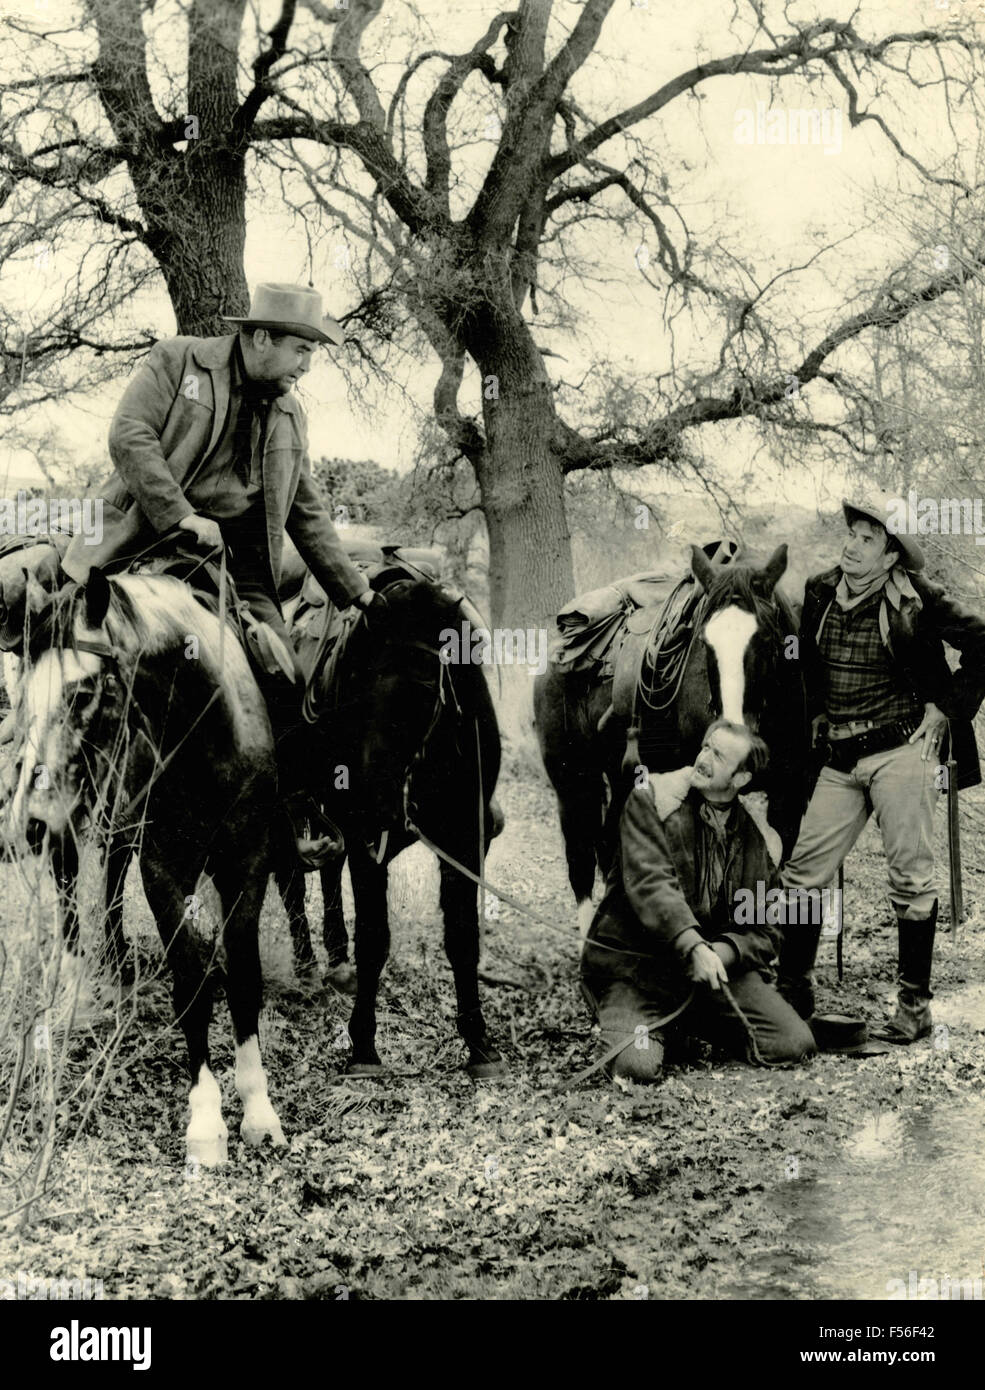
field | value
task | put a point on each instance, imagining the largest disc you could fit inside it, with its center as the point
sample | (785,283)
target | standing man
(872,642)
(209,439)
(668,926)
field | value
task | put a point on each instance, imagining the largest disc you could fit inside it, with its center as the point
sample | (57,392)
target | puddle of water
(964,1008)
(903,1202)
(878,1138)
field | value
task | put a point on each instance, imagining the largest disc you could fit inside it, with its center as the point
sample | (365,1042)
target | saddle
(177,555)
(650,669)
(638,631)
(320,630)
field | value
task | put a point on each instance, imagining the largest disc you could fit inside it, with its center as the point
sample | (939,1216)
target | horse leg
(566,724)
(76,1004)
(460,911)
(290,883)
(119,855)
(341,971)
(206,1135)
(242,898)
(64,859)
(579,799)
(372,946)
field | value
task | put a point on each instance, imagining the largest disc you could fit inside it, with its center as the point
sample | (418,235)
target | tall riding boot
(912,1019)
(794,977)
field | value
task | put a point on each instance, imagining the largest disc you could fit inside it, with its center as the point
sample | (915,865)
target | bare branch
(435,133)
(412,204)
(262,64)
(662,438)
(796,52)
(345,57)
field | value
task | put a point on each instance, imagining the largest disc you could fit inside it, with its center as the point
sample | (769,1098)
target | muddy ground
(722,1182)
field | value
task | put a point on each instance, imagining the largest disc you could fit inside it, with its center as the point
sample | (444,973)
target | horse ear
(96,598)
(776,568)
(701,567)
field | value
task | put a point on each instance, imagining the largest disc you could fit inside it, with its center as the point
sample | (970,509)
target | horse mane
(421,608)
(148,615)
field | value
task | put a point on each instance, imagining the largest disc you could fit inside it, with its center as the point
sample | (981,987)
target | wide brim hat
(293,309)
(886,511)
(844,1035)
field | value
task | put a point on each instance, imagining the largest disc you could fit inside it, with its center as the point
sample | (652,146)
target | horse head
(67,702)
(398,680)
(742,629)
(110,660)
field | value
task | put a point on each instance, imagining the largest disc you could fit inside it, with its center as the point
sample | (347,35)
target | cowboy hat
(883,509)
(293,309)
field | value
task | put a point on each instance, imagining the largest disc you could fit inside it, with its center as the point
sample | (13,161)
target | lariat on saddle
(666,652)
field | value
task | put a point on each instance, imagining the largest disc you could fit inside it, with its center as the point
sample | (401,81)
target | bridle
(109,682)
(445,698)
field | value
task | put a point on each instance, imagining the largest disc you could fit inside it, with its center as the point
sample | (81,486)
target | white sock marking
(206,1135)
(259,1116)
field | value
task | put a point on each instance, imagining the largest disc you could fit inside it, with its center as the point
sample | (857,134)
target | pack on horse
(415,754)
(715,647)
(163,747)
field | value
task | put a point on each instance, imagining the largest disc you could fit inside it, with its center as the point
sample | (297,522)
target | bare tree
(473,182)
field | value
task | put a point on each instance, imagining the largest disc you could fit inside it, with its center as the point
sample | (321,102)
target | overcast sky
(781,202)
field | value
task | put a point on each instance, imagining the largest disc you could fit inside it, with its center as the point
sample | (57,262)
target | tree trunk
(198,235)
(530,571)
(522,486)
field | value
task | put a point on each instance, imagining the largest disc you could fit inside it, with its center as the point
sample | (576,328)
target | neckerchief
(255,399)
(848,597)
(717,825)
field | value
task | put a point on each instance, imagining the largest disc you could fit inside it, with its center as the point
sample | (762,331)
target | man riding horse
(209,439)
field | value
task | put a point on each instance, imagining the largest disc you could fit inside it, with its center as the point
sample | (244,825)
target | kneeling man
(666,927)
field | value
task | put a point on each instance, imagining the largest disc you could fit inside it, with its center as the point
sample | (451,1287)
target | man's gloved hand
(374,605)
(205,531)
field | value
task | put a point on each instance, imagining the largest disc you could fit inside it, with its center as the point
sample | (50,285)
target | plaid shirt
(861,680)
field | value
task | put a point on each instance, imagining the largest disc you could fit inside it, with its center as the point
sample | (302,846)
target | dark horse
(140,719)
(738,664)
(414,746)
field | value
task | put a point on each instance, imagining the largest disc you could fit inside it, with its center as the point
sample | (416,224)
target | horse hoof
(257,1128)
(365,1069)
(487,1071)
(342,977)
(207,1153)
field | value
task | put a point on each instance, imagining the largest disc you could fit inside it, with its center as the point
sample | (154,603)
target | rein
(108,651)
